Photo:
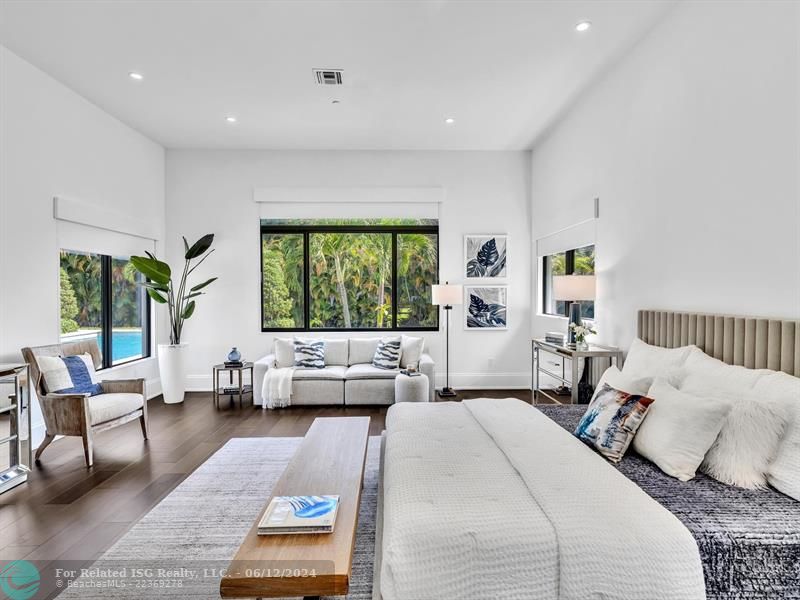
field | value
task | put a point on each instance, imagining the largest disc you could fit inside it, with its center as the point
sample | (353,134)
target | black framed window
(100,298)
(578,261)
(349,275)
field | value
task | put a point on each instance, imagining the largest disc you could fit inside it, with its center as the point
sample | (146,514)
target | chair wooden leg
(143,423)
(48,437)
(87,448)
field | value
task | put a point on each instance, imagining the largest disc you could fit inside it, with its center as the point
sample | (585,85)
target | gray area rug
(195,531)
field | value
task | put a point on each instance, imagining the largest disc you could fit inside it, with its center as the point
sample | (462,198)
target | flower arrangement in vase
(581,331)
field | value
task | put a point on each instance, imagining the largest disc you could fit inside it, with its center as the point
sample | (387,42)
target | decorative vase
(172,369)
(581,344)
(234,355)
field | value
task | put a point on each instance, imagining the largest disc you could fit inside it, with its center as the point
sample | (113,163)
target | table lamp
(447,295)
(573,289)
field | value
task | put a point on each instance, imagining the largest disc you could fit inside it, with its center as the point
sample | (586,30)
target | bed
(473,506)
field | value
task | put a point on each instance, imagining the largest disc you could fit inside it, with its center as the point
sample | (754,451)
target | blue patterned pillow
(387,355)
(611,421)
(309,354)
(69,375)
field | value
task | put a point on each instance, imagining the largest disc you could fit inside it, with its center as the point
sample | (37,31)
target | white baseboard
(464,381)
(153,388)
(486,381)
(201,383)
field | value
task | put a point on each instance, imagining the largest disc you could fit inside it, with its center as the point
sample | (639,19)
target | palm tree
(337,247)
(380,245)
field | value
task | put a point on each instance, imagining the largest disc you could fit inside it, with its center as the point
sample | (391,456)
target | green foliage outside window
(350,279)
(69,304)
(82,292)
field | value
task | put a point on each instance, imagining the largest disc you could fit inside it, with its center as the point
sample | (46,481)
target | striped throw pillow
(387,355)
(309,354)
(69,374)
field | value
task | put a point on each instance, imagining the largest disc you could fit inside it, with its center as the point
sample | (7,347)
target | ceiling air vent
(328,76)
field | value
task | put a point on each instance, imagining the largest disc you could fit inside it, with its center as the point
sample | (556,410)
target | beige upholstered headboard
(752,342)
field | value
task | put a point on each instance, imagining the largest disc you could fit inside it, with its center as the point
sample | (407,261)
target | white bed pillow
(784,472)
(619,381)
(645,361)
(750,435)
(702,371)
(411,352)
(679,429)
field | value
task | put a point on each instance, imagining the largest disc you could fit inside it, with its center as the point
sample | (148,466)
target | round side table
(411,389)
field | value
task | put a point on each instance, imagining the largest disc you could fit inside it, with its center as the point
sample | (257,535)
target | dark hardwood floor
(68,512)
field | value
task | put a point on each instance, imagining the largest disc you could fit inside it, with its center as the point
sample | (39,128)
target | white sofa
(347,379)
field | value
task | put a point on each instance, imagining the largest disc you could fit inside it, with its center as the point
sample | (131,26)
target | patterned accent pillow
(69,375)
(387,355)
(309,354)
(611,421)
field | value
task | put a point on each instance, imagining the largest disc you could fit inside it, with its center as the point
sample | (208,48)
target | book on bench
(299,514)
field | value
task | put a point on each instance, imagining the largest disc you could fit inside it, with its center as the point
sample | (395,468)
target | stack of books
(555,337)
(233,364)
(299,514)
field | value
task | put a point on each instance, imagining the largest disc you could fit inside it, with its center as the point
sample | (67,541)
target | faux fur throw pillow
(748,442)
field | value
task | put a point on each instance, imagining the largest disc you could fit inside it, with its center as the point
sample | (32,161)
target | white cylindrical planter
(172,368)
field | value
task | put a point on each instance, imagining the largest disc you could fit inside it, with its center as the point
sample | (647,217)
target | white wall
(691,143)
(54,142)
(486,192)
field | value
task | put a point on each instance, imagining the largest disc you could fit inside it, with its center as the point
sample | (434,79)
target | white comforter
(491,499)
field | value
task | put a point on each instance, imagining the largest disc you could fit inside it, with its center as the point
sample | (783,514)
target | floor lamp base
(447,393)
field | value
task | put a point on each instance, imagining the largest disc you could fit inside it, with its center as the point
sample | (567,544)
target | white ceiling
(504,70)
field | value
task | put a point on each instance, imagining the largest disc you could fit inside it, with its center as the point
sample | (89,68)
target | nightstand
(570,369)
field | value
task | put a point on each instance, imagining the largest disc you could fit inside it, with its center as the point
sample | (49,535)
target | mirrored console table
(567,375)
(15,426)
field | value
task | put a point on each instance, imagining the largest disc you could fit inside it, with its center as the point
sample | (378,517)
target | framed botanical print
(485,256)
(485,307)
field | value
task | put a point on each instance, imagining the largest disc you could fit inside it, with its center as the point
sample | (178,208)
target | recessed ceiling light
(135,75)
(230,119)
(449,120)
(583,26)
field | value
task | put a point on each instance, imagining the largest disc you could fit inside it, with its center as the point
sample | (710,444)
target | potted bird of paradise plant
(180,301)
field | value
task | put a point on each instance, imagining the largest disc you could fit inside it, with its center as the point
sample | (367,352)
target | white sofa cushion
(107,407)
(284,352)
(411,351)
(332,372)
(362,350)
(784,472)
(679,429)
(362,371)
(368,392)
(336,352)
(644,360)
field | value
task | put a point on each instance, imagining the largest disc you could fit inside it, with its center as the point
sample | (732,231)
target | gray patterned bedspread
(749,540)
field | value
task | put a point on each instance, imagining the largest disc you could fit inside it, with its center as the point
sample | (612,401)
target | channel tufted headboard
(752,342)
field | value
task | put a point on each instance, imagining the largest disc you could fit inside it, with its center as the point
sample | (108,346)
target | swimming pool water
(124,344)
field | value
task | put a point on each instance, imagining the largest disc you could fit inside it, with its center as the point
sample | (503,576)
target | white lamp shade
(447,294)
(574,288)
